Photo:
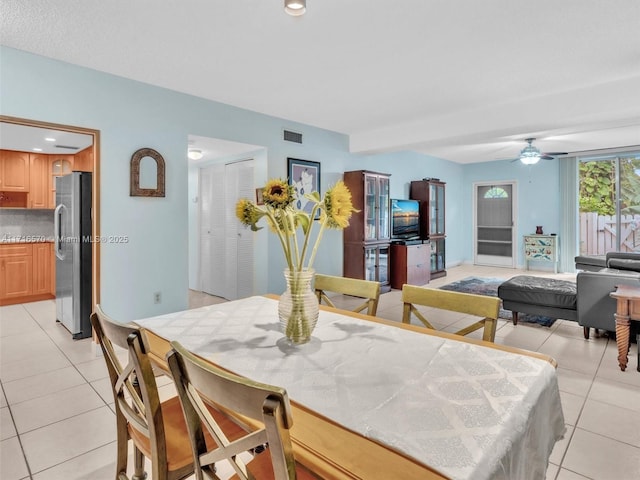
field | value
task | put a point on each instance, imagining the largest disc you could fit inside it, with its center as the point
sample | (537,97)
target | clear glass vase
(298,306)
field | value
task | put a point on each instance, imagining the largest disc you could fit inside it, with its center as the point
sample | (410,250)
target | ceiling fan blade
(546,157)
(555,154)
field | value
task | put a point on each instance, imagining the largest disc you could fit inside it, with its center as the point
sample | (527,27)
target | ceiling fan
(530,155)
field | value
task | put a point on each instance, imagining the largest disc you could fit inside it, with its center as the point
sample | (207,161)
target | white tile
(620,424)
(598,457)
(7,429)
(12,464)
(44,449)
(571,407)
(527,337)
(35,365)
(93,465)
(3,399)
(36,413)
(93,370)
(552,471)
(103,388)
(560,448)
(42,384)
(574,354)
(15,320)
(43,312)
(574,382)
(609,368)
(616,393)
(565,474)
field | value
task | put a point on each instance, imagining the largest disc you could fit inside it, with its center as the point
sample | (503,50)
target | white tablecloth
(471,412)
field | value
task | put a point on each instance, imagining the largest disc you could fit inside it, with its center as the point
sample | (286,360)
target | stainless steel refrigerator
(72,223)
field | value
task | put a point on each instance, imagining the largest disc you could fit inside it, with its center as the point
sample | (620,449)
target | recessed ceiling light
(195,154)
(295,7)
(50,139)
(37,149)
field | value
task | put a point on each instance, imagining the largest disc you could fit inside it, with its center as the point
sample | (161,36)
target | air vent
(290,136)
(68,147)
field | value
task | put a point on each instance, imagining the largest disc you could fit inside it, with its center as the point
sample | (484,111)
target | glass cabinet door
(370,192)
(370,264)
(383,209)
(436,209)
(383,265)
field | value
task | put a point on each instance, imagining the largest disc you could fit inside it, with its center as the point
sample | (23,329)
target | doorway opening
(494,226)
(25,131)
(223,254)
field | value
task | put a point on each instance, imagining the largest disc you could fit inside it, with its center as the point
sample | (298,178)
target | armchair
(595,307)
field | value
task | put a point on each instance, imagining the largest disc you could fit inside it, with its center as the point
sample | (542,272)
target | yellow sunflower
(278,194)
(247,213)
(338,206)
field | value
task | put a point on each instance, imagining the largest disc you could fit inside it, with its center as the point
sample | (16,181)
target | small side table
(543,248)
(628,308)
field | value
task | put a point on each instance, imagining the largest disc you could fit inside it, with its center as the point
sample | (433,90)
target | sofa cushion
(624,264)
(539,291)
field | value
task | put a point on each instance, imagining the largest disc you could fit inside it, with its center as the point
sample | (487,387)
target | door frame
(514,226)
(95,200)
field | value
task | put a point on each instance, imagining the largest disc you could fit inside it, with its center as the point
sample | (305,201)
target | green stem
(315,246)
(282,238)
(314,211)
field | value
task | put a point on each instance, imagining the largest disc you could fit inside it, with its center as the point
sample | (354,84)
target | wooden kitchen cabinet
(60,165)
(41,268)
(25,272)
(16,271)
(14,171)
(83,160)
(410,264)
(39,181)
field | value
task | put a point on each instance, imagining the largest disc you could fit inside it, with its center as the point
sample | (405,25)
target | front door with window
(494,211)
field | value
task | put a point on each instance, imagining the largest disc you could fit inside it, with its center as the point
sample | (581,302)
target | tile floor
(56,408)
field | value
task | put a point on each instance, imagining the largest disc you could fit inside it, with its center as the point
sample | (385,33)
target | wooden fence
(598,233)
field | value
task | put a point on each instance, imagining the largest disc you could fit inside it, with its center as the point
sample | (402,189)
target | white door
(238,238)
(494,226)
(211,226)
(226,247)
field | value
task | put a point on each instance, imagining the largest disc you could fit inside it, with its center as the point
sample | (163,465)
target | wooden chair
(158,430)
(477,305)
(349,286)
(198,381)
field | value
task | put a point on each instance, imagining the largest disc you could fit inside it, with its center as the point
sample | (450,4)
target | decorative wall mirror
(147,159)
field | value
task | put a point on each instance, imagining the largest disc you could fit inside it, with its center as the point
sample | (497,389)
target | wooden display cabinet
(367,238)
(410,265)
(430,193)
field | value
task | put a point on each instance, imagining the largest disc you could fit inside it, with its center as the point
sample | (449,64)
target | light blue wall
(131,115)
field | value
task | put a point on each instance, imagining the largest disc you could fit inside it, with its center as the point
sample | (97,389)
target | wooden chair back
(199,381)
(139,413)
(476,305)
(366,289)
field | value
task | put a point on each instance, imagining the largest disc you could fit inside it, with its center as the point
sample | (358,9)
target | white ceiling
(28,139)
(465,80)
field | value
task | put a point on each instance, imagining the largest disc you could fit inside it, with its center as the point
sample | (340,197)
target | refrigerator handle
(57,226)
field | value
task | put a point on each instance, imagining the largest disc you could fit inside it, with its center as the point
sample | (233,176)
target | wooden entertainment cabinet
(410,264)
(430,193)
(368,236)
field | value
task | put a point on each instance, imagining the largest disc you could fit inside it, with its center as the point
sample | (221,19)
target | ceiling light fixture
(195,154)
(50,139)
(530,155)
(295,7)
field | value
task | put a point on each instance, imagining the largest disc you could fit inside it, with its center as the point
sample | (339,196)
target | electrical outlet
(157,297)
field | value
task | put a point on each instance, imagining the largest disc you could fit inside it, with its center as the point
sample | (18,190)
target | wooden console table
(628,308)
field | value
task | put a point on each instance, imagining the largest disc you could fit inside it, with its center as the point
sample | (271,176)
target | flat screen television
(405,219)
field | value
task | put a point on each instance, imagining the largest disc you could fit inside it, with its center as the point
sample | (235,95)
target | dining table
(374,398)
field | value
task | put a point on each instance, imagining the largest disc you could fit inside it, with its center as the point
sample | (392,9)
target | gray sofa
(595,307)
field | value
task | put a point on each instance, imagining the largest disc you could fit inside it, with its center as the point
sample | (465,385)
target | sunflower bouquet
(293,228)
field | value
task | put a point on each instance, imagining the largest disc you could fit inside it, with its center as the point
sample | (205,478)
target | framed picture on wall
(304,175)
